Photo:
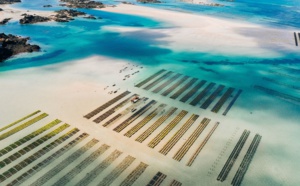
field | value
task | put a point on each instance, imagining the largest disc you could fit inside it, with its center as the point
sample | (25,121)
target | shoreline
(196,33)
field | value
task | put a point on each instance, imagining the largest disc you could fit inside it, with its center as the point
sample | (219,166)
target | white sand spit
(198,33)
(16,14)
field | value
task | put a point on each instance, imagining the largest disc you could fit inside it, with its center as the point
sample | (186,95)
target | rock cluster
(83,4)
(30,19)
(9,1)
(66,15)
(148,1)
(61,15)
(11,45)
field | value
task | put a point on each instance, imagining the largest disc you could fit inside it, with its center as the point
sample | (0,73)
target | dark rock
(4,21)
(30,19)
(148,1)
(11,45)
(67,15)
(61,20)
(90,17)
(70,13)
(9,1)
(1,9)
(47,6)
(83,4)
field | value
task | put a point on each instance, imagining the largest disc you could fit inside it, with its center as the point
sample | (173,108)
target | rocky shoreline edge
(12,45)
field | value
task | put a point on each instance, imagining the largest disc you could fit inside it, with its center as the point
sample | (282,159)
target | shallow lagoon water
(81,38)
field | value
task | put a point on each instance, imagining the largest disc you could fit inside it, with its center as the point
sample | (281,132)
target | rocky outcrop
(148,1)
(70,12)
(11,45)
(30,19)
(9,1)
(4,21)
(66,15)
(83,4)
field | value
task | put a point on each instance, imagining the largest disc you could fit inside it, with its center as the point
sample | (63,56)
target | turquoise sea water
(81,38)
(64,42)
(273,12)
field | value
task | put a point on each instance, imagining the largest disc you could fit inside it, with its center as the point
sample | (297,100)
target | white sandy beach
(70,90)
(16,14)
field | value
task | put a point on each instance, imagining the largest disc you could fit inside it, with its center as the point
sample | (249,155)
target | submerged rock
(90,17)
(11,45)
(47,6)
